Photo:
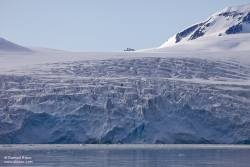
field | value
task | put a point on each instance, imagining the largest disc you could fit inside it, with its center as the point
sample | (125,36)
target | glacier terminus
(195,88)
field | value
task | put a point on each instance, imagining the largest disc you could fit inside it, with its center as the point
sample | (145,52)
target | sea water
(125,155)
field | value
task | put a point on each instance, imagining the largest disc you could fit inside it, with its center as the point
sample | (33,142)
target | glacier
(144,98)
(193,91)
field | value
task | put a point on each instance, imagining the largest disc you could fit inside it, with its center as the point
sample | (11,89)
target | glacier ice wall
(141,100)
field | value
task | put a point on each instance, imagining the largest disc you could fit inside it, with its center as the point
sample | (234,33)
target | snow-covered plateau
(171,94)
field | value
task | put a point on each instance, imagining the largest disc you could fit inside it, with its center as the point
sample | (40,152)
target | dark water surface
(125,155)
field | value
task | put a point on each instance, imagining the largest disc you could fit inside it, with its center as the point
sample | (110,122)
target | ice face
(127,100)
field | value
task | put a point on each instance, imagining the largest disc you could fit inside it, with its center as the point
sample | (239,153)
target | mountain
(7,46)
(231,20)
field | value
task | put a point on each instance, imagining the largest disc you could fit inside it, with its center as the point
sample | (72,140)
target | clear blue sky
(101,25)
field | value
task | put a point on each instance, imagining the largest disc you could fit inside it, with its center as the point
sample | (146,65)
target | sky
(100,26)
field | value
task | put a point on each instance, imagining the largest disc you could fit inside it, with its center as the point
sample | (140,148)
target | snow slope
(210,43)
(195,91)
(7,46)
(231,20)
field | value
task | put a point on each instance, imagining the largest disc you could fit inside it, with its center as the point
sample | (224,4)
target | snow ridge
(231,20)
(7,46)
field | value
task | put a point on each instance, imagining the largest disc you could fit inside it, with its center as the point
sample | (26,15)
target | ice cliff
(143,100)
